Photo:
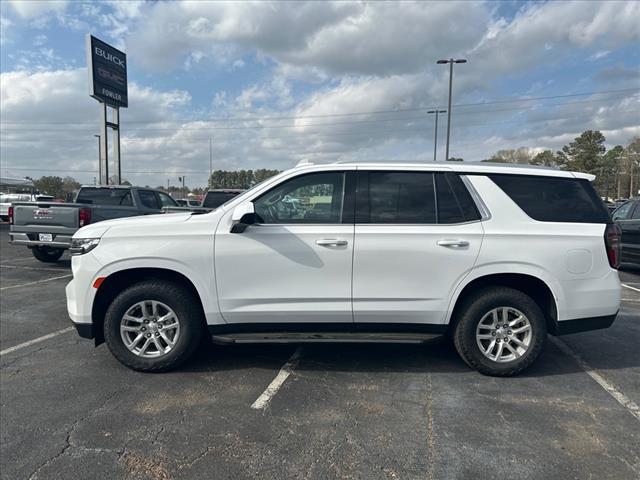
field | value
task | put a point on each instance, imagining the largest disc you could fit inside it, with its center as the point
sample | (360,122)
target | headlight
(80,246)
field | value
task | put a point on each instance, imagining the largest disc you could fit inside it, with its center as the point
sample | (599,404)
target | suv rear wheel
(500,331)
(47,254)
(153,326)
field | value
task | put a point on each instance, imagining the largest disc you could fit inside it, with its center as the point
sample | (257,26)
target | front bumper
(28,240)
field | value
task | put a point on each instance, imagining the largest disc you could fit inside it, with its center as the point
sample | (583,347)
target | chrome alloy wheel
(504,334)
(149,329)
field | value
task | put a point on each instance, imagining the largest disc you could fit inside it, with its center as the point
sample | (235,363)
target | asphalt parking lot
(69,410)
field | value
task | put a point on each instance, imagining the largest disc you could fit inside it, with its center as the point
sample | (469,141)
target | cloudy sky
(270,83)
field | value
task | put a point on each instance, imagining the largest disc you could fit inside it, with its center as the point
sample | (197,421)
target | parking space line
(630,287)
(286,370)
(36,282)
(34,341)
(32,268)
(620,397)
(16,260)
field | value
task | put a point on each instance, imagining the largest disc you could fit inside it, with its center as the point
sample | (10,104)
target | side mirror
(243,216)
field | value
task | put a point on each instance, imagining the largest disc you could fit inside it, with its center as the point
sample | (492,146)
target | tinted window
(166,200)
(148,199)
(455,204)
(105,196)
(215,199)
(550,199)
(636,212)
(399,197)
(313,198)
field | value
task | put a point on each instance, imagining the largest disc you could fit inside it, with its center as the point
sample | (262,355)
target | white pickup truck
(495,256)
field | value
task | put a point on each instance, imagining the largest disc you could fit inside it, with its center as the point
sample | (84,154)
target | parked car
(46,227)
(215,198)
(627,216)
(495,256)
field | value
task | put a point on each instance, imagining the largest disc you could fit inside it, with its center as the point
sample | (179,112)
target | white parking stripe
(611,389)
(630,287)
(34,341)
(32,268)
(16,260)
(264,399)
(36,282)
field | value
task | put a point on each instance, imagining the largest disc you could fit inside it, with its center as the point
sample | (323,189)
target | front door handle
(331,242)
(453,243)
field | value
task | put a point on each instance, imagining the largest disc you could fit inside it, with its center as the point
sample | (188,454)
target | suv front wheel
(500,331)
(153,326)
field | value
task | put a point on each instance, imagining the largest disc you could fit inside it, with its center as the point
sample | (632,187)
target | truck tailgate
(50,217)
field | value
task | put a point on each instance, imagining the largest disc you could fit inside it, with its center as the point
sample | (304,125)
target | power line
(375,112)
(314,135)
(313,125)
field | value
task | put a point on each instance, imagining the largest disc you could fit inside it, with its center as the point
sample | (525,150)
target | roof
(462,167)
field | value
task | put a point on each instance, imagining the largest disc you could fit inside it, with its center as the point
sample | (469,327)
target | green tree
(50,185)
(546,158)
(455,159)
(584,154)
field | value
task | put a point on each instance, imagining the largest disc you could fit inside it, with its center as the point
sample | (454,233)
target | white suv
(496,256)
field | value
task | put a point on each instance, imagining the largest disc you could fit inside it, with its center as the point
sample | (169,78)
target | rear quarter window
(553,199)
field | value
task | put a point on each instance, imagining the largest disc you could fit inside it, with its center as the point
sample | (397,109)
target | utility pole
(450,61)
(167,184)
(210,162)
(435,136)
(99,159)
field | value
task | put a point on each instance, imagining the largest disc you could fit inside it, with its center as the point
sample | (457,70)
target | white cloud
(36,8)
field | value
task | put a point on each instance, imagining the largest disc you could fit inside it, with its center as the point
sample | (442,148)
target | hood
(97,230)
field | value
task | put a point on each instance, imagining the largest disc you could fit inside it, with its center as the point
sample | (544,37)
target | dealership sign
(107,73)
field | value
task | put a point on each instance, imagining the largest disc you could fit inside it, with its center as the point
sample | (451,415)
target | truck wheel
(154,326)
(47,254)
(500,331)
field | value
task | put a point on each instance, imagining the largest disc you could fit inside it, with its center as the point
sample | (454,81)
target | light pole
(435,136)
(451,61)
(99,157)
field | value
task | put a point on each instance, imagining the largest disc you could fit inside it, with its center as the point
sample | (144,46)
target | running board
(322,337)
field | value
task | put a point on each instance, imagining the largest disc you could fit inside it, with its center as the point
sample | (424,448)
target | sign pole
(107,68)
(104,155)
(116,142)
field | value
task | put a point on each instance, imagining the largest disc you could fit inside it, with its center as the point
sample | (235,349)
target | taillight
(10,213)
(613,244)
(84,216)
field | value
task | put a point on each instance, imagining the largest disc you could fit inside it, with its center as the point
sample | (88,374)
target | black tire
(47,254)
(475,308)
(180,300)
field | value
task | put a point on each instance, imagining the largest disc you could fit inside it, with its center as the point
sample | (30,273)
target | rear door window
(554,199)
(396,198)
(149,199)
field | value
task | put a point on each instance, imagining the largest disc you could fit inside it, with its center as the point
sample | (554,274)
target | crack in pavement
(68,440)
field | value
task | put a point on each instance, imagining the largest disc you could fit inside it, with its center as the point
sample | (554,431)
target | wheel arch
(529,284)
(116,282)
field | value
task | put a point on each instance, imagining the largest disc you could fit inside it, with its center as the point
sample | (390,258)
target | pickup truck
(46,227)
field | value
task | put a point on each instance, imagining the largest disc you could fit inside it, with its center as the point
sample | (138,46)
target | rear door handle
(331,242)
(453,243)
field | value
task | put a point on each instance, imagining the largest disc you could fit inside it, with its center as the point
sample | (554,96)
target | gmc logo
(41,213)
(109,57)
